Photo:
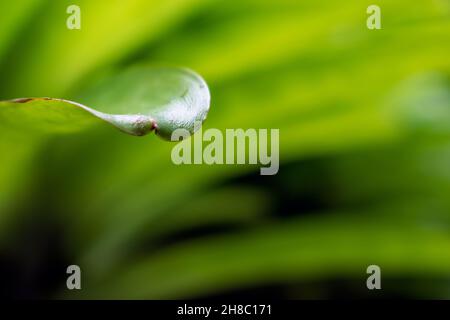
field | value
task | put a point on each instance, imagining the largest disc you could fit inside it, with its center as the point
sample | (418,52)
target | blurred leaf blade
(114,29)
(283,252)
(16,17)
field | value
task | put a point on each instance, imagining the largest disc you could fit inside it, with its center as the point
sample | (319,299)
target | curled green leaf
(137,101)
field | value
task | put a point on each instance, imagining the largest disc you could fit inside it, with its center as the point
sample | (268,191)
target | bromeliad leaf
(137,101)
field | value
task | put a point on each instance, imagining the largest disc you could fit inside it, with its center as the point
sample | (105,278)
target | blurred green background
(364,119)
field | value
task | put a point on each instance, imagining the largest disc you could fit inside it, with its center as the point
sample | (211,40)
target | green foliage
(136,102)
(364,144)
